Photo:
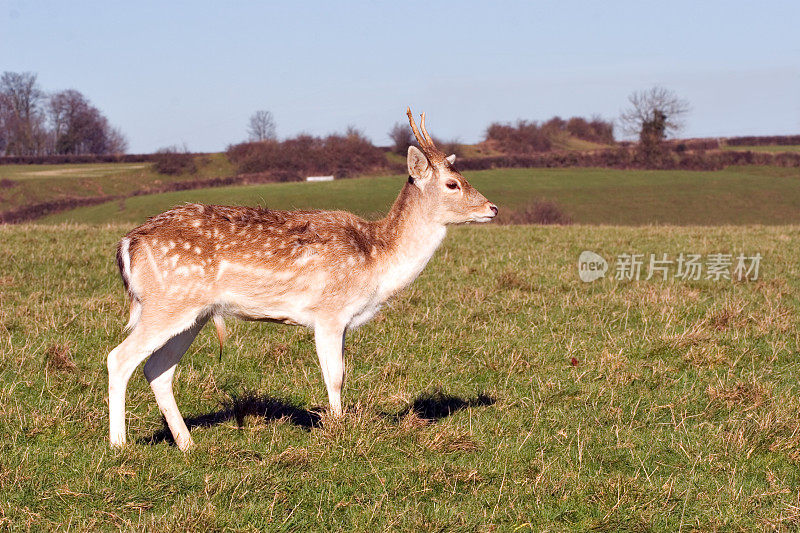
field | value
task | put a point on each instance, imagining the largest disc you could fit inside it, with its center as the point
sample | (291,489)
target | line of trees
(33,122)
(652,116)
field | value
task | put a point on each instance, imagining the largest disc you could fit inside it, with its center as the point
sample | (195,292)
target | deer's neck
(410,239)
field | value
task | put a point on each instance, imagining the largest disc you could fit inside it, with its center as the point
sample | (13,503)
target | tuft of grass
(59,358)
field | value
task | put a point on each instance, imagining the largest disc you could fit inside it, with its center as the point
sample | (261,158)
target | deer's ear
(451,159)
(418,165)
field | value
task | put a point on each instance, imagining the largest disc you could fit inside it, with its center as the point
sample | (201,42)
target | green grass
(681,413)
(42,183)
(737,195)
(769,148)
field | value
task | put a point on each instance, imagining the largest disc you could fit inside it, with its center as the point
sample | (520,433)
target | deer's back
(260,257)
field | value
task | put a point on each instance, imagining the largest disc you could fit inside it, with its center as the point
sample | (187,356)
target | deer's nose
(494,209)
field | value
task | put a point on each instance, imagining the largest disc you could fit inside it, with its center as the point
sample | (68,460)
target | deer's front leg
(329,340)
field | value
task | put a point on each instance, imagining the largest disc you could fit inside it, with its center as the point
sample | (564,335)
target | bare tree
(23,119)
(116,142)
(401,137)
(261,126)
(654,114)
(80,128)
(5,121)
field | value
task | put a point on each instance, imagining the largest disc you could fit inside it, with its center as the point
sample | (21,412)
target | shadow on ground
(430,406)
(237,408)
(436,405)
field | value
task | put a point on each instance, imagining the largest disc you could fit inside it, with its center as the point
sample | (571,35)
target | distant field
(737,195)
(498,393)
(769,148)
(42,183)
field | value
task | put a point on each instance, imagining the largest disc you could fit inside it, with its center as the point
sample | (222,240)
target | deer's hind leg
(147,337)
(159,371)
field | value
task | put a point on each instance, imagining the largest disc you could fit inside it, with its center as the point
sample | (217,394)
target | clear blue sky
(172,73)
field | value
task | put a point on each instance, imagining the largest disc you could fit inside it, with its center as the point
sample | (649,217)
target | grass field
(498,391)
(773,148)
(29,184)
(737,195)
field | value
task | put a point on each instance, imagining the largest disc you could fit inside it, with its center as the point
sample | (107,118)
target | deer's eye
(452,185)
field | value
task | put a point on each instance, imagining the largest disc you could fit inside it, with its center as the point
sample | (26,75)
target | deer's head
(447,197)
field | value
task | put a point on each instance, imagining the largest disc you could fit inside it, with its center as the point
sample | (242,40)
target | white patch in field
(186,245)
(197,250)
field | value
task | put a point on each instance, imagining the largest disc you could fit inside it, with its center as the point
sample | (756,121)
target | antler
(425,141)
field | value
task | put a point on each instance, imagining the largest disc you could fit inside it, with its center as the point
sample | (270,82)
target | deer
(330,271)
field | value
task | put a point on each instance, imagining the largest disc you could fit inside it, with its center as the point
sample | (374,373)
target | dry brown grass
(59,358)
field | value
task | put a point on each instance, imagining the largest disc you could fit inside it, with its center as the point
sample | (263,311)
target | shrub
(342,155)
(542,212)
(401,137)
(450,147)
(171,161)
(61,159)
(531,137)
(780,140)
(524,138)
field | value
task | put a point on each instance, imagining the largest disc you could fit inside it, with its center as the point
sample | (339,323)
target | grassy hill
(22,185)
(737,195)
(498,392)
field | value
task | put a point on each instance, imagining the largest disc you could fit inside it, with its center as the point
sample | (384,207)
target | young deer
(326,270)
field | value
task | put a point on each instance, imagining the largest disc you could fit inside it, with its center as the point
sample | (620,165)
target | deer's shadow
(429,406)
(436,405)
(237,408)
